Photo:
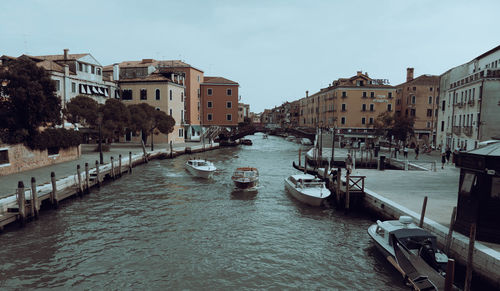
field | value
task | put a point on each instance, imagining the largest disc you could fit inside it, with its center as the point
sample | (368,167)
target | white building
(469,110)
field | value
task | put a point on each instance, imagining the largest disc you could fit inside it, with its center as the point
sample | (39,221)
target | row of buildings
(459,108)
(194,100)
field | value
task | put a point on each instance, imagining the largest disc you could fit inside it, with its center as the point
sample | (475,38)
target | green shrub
(54,138)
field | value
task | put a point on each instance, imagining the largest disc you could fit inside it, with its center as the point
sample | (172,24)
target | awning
(100,91)
(82,89)
(89,89)
(106,92)
(94,89)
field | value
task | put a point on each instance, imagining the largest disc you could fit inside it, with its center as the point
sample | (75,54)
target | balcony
(471,103)
(456,130)
(344,96)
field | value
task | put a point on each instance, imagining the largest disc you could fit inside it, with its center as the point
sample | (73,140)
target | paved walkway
(8,183)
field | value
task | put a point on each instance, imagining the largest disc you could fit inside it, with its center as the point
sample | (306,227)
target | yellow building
(164,91)
(350,104)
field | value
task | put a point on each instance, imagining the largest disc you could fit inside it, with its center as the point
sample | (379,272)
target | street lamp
(99,121)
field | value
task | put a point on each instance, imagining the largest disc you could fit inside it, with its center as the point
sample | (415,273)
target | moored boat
(200,168)
(305,141)
(307,189)
(246,142)
(246,177)
(412,248)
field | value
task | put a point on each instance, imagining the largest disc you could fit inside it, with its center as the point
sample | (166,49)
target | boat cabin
(479,193)
(306,181)
(198,163)
(245,173)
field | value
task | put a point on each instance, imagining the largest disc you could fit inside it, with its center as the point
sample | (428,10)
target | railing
(357,181)
(456,130)
(468,130)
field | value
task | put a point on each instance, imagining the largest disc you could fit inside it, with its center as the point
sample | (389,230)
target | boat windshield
(309,183)
(248,174)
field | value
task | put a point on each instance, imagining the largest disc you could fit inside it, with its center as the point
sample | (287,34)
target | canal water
(160,228)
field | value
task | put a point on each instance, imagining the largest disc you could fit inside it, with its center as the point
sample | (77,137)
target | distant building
(219,97)
(418,98)
(243,112)
(470,102)
(350,104)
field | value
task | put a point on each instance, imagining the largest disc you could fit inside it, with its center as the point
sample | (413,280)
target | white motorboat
(396,235)
(264,136)
(307,189)
(290,138)
(200,168)
(245,177)
(305,141)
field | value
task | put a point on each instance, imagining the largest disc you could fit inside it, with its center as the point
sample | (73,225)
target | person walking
(348,163)
(417,150)
(448,154)
(443,157)
(405,151)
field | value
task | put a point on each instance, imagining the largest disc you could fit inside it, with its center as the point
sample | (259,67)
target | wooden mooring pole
(21,202)
(422,214)
(120,164)
(78,172)
(172,151)
(339,181)
(300,153)
(87,178)
(53,194)
(112,168)
(130,162)
(34,199)
(347,198)
(470,258)
(450,275)
(98,176)
(449,238)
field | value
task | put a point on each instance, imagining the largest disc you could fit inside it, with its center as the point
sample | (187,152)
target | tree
(397,126)
(29,101)
(115,118)
(148,120)
(83,110)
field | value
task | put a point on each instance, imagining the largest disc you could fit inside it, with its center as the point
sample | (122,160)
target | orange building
(419,99)
(219,98)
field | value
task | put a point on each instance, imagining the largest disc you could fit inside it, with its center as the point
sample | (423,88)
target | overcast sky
(275,50)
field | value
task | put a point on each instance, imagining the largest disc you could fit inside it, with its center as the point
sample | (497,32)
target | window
(127,94)
(182,96)
(364,94)
(229,104)
(99,71)
(398,101)
(209,117)
(442,125)
(209,91)
(229,92)
(80,67)
(390,95)
(414,88)
(428,124)
(343,107)
(144,94)
(429,112)
(371,120)
(412,112)
(371,107)
(58,85)
(430,99)
(170,112)
(342,120)
(363,120)
(344,94)
(198,78)
(372,94)
(157,94)
(389,107)
(229,117)
(92,69)
(363,107)
(52,151)
(4,156)
(73,87)
(209,104)
(413,99)
(170,95)
(430,89)
(181,132)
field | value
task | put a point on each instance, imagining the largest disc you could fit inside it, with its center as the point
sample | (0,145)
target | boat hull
(385,249)
(199,173)
(309,200)
(245,185)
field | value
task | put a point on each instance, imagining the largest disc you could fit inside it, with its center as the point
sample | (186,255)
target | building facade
(350,104)
(219,97)
(418,98)
(243,112)
(163,91)
(470,102)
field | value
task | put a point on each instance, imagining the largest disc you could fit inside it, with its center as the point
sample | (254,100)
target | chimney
(409,74)
(359,73)
(307,94)
(116,72)
(66,54)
